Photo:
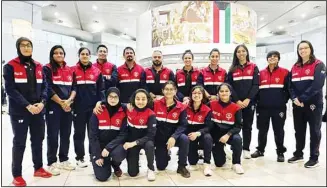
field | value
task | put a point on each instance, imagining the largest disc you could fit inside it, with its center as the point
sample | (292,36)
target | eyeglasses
(304,48)
(113,97)
(28,46)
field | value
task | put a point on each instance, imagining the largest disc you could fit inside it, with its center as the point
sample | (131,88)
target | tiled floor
(258,172)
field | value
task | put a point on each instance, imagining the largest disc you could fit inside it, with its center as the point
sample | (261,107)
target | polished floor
(263,171)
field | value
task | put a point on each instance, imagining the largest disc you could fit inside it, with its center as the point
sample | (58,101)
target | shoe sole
(257,156)
(297,161)
(314,166)
(182,175)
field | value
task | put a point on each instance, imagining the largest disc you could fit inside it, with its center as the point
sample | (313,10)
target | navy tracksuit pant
(133,157)
(20,125)
(311,114)
(81,122)
(116,156)
(247,115)
(161,152)
(58,122)
(193,156)
(218,151)
(278,117)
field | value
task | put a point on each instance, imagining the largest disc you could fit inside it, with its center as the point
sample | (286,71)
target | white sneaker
(81,163)
(238,169)
(54,170)
(207,170)
(193,167)
(151,175)
(228,152)
(66,165)
(246,154)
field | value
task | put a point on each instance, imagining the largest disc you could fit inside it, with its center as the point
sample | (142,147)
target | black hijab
(112,109)
(23,58)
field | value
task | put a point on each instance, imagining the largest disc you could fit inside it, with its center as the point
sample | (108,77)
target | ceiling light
(60,21)
(291,21)
(303,15)
(262,18)
(53,5)
(56,14)
(317,7)
(94,7)
(280,27)
(95,21)
(130,10)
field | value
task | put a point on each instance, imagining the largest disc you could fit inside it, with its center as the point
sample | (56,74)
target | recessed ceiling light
(53,5)
(56,14)
(280,27)
(130,9)
(303,15)
(317,7)
(60,21)
(291,21)
(94,7)
(262,18)
(95,21)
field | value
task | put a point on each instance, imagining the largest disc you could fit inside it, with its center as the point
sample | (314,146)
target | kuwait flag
(221,22)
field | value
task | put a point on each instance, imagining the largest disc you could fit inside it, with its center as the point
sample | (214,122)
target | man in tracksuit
(131,76)
(157,75)
(272,99)
(88,82)
(108,70)
(27,90)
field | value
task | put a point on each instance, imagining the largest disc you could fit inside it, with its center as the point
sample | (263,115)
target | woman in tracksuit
(27,90)
(212,75)
(108,130)
(89,87)
(198,129)
(141,123)
(171,125)
(186,78)
(307,80)
(227,119)
(58,116)
(243,76)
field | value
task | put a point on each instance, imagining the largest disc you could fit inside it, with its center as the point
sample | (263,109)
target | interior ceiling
(119,17)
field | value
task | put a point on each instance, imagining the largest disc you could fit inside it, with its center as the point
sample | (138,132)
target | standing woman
(141,122)
(243,76)
(108,130)
(307,80)
(212,76)
(89,85)
(27,90)
(58,116)
(172,122)
(198,129)
(186,78)
(227,119)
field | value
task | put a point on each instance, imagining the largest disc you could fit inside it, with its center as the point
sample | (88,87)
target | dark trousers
(81,122)
(133,158)
(116,156)
(247,115)
(161,152)
(58,122)
(193,156)
(20,125)
(278,117)
(301,116)
(218,151)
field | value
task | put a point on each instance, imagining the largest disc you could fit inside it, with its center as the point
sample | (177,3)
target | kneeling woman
(198,129)
(108,130)
(172,122)
(141,123)
(227,118)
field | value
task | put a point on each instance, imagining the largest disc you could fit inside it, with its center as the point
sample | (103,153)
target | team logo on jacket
(307,72)
(312,107)
(141,121)
(107,71)
(164,76)
(91,76)
(175,115)
(219,77)
(228,116)
(117,121)
(39,72)
(281,114)
(69,78)
(200,118)
(136,74)
(277,80)
(249,72)
(18,73)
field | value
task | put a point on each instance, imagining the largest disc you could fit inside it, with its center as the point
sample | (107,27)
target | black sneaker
(311,164)
(295,159)
(257,154)
(280,158)
(183,171)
